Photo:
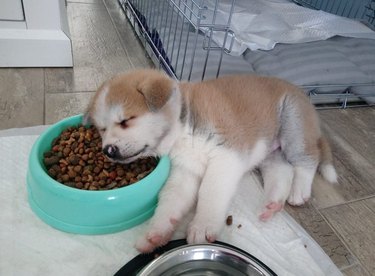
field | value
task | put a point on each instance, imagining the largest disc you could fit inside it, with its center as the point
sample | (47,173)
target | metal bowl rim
(223,248)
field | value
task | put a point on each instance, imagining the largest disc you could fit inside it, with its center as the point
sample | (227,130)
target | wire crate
(363,10)
(174,31)
(179,36)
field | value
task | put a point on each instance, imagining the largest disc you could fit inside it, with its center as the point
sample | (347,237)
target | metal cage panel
(178,36)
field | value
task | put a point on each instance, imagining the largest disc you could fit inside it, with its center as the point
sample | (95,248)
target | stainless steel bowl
(205,259)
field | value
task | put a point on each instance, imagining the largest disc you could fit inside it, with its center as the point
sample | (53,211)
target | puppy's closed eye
(124,123)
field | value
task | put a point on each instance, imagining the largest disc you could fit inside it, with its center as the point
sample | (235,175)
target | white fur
(219,184)
(328,172)
(301,187)
(277,176)
(202,173)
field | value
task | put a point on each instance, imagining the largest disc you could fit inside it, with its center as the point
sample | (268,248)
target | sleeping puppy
(214,132)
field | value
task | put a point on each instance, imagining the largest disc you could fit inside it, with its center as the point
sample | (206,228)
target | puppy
(213,131)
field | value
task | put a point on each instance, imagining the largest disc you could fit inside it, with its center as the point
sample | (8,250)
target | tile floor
(340,218)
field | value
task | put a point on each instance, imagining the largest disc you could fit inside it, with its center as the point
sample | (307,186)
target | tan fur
(243,108)
(325,151)
(138,92)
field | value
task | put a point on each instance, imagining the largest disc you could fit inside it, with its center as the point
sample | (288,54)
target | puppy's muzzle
(111,151)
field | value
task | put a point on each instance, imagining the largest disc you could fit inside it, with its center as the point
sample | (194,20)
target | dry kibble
(49,161)
(52,172)
(79,185)
(65,178)
(229,220)
(72,174)
(76,160)
(112,175)
(85,157)
(120,172)
(66,151)
(111,185)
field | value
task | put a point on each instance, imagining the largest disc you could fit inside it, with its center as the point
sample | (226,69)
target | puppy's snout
(111,151)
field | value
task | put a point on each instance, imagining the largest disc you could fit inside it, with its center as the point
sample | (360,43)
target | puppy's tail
(326,168)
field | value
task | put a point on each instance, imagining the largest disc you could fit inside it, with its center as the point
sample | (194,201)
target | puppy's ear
(157,90)
(86,120)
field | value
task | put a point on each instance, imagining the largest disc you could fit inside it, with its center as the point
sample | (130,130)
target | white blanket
(261,24)
(28,246)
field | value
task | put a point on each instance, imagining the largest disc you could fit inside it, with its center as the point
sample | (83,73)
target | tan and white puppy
(214,132)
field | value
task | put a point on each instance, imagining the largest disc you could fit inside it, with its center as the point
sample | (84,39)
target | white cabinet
(34,33)
(11,10)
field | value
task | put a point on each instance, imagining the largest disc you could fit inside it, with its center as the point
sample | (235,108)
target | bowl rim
(37,168)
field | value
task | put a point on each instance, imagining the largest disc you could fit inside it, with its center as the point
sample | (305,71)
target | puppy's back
(243,108)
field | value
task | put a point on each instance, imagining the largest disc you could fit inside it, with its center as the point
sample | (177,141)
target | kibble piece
(66,151)
(74,159)
(65,178)
(85,157)
(52,172)
(72,174)
(229,220)
(49,161)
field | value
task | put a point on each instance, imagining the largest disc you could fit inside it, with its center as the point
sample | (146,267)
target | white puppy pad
(31,247)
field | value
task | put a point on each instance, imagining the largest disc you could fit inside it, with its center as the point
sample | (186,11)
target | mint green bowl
(89,212)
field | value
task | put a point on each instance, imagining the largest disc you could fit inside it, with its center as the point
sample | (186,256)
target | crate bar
(127,5)
(185,51)
(225,40)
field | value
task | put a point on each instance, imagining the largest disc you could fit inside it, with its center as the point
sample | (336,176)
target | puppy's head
(133,113)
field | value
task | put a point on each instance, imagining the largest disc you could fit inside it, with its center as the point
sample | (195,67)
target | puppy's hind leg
(277,176)
(298,137)
(302,183)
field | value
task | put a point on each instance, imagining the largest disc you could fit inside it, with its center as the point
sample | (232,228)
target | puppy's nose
(111,151)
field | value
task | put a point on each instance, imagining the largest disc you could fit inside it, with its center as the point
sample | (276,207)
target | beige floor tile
(355,223)
(128,38)
(352,136)
(21,97)
(97,51)
(86,1)
(310,219)
(356,127)
(355,270)
(62,105)
(325,194)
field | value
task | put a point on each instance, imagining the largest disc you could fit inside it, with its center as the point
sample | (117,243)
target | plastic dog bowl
(89,212)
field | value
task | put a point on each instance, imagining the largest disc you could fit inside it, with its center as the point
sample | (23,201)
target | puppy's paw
(143,245)
(201,231)
(158,235)
(297,197)
(270,209)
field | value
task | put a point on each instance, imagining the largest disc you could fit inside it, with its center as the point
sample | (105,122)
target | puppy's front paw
(144,245)
(202,231)
(158,235)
